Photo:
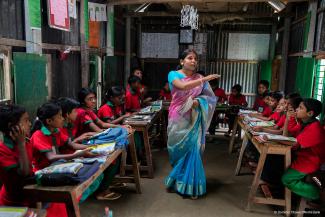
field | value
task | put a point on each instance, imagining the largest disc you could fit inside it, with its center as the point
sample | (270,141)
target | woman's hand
(18,134)
(195,103)
(211,77)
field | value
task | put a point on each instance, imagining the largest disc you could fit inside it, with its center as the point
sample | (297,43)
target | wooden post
(127,49)
(272,42)
(312,28)
(285,49)
(84,51)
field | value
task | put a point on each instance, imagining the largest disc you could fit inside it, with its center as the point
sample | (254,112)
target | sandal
(118,185)
(109,196)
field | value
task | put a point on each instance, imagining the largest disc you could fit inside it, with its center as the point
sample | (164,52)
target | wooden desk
(144,127)
(70,194)
(264,149)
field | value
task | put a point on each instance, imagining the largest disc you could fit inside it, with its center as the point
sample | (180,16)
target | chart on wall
(247,46)
(159,45)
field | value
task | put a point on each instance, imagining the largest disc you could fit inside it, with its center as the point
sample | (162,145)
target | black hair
(133,79)
(10,116)
(265,94)
(67,105)
(83,93)
(295,101)
(114,92)
(136,68)
(292,95)
(237,87)
(46,111)
(186,52)
(276,95)
(265,83)
(313,105)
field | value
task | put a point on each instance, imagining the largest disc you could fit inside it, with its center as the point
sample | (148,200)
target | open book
(13,211)
(272,137)
(262,124)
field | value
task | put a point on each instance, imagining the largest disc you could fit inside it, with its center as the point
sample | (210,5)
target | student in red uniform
(132,98)
(113,109)
(70,127)
(292,125)
(87,119)
(310,151)
(238,99)
(15,155)
(262,89)
(272,101)
(165,93)
(142,90)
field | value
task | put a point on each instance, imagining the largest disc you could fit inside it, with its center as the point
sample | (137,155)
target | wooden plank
(261,200)
(312,27)
(127,57)
(129,2)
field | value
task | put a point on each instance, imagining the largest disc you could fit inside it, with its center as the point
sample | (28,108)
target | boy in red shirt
(15,155)
(132,98)
(310,151)
(262,89)
(235,98)
(165,93)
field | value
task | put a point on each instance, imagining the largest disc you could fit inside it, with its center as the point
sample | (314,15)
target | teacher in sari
(190,112)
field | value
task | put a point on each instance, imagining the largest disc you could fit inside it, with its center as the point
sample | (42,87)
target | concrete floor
(226,194)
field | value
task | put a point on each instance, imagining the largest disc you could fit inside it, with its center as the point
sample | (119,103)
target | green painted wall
(305,76)
(30,88)
(266,70)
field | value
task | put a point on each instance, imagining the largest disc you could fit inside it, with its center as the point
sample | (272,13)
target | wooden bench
(264,149)
(70,194)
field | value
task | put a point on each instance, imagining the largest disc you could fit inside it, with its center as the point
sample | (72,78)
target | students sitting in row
(310,150)
(272,102)
(262,90)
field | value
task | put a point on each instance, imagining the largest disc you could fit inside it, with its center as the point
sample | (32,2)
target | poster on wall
(97,12)
(34,12)
(94,34)
(73,9)
(58,14)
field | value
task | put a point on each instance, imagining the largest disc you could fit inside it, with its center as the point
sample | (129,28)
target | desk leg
(123,163)
(233,135)
(72,206)
(148,153)
(257,177)
(287,192)
(241,154)
(135,165)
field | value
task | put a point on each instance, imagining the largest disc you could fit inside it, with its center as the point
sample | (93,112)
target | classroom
(162,108)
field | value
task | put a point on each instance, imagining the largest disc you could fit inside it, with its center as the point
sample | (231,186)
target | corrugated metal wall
(12,24)
(243,73)
(240,72)
(297,37)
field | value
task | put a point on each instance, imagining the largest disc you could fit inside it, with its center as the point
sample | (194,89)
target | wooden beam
(130,2)
(127,59)
(84,47)
(312,27)
(21,43)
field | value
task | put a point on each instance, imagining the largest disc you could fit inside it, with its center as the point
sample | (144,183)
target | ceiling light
(277,5)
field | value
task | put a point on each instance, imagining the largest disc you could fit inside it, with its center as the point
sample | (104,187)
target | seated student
(165,93)
(272,102)
(292,125)
(15,155)
(47,139)
(222,98)
(113,109)
(87,119)
(310,151)
(262,89)
(142,90)
(132,97)
(235,98)
(70,128)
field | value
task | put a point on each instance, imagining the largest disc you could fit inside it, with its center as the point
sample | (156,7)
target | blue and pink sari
(186,135)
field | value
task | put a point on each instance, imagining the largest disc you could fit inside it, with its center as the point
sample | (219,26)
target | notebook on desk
(6,211)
